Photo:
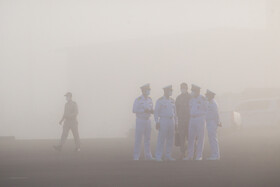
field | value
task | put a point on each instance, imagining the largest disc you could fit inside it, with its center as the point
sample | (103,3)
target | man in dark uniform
(183,113)
(70,122)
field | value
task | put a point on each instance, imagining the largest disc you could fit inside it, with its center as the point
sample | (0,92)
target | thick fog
(103,51)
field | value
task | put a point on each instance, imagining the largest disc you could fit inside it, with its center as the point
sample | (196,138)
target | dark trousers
(183,126)
(75,132)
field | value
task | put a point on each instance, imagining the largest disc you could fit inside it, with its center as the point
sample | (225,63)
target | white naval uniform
(165,115)
(212,121)
(198,108)
(143,126)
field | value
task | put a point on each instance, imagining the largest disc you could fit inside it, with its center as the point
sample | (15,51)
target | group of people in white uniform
(183,119)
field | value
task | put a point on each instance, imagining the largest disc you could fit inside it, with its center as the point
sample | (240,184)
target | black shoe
(57,147)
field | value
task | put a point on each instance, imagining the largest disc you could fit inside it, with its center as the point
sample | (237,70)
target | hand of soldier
(157,126)
(147,111)
(60,123)
(220,124)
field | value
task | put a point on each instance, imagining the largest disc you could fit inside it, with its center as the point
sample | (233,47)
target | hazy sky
(103,51)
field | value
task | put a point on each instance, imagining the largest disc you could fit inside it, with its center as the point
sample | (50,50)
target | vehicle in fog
(230,119)
(259,112)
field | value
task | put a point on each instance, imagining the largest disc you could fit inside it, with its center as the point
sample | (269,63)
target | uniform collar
(143,97)
(211,101)
(167,99)
(197,97)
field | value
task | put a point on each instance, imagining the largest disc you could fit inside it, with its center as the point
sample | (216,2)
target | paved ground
(248,159)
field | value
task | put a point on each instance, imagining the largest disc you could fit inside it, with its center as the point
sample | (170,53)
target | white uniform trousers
(196,132)
(212,136)
(165,137)
(143,128)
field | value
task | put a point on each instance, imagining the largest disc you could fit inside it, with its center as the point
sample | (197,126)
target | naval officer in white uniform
(198,106)
(166,120)
(212,123)
(143,108)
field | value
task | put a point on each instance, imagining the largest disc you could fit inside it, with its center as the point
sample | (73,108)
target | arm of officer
(152,107)
(63,117)
(76,110)
(156,114)
(216,108)
(177,104)
(176,118)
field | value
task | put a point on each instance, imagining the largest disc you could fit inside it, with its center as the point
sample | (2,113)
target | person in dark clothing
(69,122)
(183,113)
